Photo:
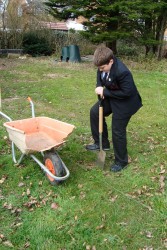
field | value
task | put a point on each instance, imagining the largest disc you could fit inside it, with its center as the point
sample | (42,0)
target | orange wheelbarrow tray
(40,134)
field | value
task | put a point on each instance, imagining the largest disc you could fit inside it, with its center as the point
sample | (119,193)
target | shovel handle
(100,119)
(100,115)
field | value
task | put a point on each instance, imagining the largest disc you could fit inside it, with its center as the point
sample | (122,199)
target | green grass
(95,209)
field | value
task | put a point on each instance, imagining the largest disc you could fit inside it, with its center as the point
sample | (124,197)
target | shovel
(101,154)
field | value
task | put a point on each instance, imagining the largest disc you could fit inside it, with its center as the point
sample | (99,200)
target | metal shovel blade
(101,158)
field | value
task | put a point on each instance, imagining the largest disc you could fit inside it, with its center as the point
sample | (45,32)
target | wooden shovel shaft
(100,126)
(100,119)
(101,154)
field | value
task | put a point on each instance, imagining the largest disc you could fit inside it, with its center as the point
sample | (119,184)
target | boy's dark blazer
(121,90)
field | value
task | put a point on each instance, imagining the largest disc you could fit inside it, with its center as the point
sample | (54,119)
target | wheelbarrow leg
(14,155)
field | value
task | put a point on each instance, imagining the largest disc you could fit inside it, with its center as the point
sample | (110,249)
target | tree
(148,20)
(18,17)
(3,39)
(102,18)
(107,21)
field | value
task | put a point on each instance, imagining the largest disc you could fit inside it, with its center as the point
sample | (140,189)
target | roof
(64,26)
(55,26)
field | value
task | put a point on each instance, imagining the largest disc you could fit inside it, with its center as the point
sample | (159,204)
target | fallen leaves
(21,184)
(113,198)
(149,191)
(8,243)
(152,142)
(2,180)
(164,241)
(82,195)
(162,183)
(149,234)
(147,248)
(123,224)
(27,244)
(5,242)
(144,190)
(162,171)
(13,210)
(1,196)
(28,192)
(88,247)
(2,236)
(100,227)
(54,206)
(31,204)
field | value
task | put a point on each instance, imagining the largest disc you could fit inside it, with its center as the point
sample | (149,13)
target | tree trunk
(113,46)
(147,49)
(162,20)
(148,31)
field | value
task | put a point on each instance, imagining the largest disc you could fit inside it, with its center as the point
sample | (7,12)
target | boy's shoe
(94,146)
(117,167)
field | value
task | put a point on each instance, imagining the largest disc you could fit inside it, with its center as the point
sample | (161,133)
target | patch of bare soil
(56,75)
(6,63)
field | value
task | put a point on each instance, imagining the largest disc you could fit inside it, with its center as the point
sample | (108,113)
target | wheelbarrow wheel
(54,164)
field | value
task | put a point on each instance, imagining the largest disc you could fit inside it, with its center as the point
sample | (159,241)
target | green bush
(129,48)
(36,44)
(62,39)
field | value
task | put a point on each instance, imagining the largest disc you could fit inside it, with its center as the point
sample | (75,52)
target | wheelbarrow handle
(29,99)
(32,106)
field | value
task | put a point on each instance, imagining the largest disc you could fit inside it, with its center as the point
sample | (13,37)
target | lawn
(93,209)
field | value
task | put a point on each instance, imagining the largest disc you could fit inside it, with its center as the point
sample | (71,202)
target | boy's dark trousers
(118,131)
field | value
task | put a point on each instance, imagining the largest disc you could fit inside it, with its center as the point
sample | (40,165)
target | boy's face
(106,67)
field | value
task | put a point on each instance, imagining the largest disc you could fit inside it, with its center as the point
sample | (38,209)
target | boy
(116,87)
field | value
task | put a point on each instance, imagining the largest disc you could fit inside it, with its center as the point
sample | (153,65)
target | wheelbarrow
(40,134)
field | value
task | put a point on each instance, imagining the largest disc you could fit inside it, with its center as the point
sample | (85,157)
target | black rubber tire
(53,162)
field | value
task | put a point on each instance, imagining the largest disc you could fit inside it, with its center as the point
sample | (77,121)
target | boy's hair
(102,56)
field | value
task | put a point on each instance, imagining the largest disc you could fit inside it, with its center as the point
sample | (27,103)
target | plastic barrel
(65,54)
(74,53)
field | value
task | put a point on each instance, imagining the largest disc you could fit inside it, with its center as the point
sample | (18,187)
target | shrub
(62,39)
(36,44)
(129,48)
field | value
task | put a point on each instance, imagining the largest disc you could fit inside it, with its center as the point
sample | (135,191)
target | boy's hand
(99,91)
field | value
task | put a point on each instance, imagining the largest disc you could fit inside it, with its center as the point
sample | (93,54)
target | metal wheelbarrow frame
(40,134)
